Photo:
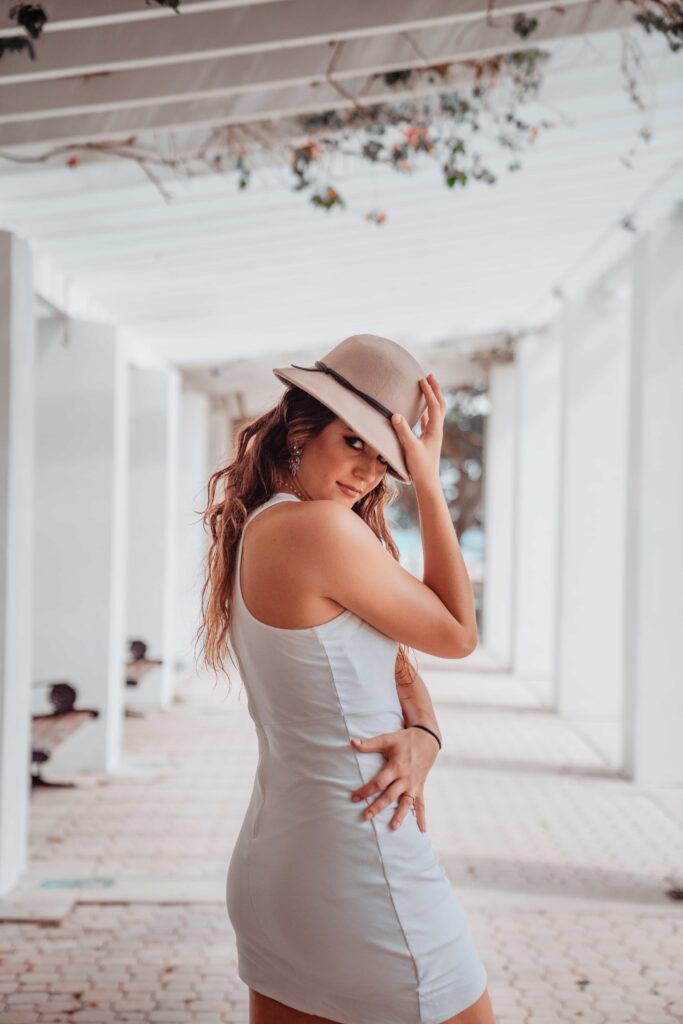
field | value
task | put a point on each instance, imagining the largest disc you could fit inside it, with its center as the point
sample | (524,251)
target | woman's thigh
(480,1012)
(264,1010)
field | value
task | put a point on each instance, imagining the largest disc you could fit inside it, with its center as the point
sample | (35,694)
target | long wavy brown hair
(259,465)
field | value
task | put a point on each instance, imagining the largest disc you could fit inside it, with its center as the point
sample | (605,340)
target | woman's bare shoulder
(324,550)
(345,561)
(325,514)
(312,533)
(322,516)
(311,522)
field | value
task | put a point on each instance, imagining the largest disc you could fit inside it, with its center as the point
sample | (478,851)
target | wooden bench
(139,665)
(51,730)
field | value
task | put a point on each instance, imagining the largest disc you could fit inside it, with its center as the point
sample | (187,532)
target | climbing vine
(450,125)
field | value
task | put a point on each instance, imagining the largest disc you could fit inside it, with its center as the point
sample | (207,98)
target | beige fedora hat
(364,380)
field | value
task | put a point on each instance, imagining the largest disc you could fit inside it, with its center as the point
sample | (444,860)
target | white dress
(335,915)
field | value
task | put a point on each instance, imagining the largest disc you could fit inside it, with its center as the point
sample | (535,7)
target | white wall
(191,542)
(154,399)
(79,566)
(594,455)
(538,360)
(220,433)
(17,405)
(500,510)
(653,608)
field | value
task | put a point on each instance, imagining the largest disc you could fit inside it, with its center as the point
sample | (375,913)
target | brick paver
(562,865)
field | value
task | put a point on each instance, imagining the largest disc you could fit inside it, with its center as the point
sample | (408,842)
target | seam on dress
(374,828)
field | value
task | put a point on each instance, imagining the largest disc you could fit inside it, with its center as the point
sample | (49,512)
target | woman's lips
(350,491)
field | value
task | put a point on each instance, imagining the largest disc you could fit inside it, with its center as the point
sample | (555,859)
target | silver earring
(295,459)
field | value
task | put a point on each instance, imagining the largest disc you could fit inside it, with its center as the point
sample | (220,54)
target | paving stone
(561,864)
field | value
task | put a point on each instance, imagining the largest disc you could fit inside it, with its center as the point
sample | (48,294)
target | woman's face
(339,465)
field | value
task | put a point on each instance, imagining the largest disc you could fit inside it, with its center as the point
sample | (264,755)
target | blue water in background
(410,546)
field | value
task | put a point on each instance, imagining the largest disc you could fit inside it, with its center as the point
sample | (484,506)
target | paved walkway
(562,865)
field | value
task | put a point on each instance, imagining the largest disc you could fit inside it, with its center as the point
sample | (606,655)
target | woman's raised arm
(351,566)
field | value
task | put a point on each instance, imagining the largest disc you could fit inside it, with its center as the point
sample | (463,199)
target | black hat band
(319,365)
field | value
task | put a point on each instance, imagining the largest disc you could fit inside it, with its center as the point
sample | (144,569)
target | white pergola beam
(265,27)
(66,15)
(224,76)
(234,109)
(252,92)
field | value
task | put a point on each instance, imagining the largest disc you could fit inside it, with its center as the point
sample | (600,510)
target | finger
(430,387)
(390,794)
(436,387)
(372,743)
(404,808)
(434,423)
(402,428)
(375,785)
(433,404)
(420,814)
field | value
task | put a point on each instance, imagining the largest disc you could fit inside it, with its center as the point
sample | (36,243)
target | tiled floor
(563,867)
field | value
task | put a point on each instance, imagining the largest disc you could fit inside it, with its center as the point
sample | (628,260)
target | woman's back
(276,582)
(286,670)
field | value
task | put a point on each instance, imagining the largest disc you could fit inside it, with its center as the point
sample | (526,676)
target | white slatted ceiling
(219,274)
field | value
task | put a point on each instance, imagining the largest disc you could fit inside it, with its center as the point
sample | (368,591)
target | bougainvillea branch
(397,133)
(427,119)
(663,16)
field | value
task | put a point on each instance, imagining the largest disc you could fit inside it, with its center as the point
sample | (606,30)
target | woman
(341,909)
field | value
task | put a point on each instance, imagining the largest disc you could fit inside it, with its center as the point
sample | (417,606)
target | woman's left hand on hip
(410,754)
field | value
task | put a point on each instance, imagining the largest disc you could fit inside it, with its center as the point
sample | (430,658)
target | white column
(150,612)
(538,360)
(592,511)
(654,541)
(17,409)
(499,499)
(191,543)
(79,579)
(220,434)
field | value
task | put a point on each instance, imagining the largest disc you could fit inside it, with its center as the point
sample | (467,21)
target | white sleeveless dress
(335,915)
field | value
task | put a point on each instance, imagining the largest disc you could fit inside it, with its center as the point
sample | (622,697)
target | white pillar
(17,409)
(538,360)
(220,434)
(79,579)
(654,541)
(592,510)
(191,544)
(499,498)
(150,612)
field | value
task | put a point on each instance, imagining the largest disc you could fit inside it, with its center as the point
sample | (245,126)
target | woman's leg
(264,1010)
(480,1012)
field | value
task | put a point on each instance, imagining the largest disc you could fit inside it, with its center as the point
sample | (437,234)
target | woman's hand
(422,453)
(410,754)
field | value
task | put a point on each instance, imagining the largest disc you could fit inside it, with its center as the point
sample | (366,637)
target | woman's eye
(350,441)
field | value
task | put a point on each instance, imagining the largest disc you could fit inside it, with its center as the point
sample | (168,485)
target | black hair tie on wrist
(427,729)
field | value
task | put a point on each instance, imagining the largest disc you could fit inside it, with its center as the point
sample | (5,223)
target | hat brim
(368,423)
